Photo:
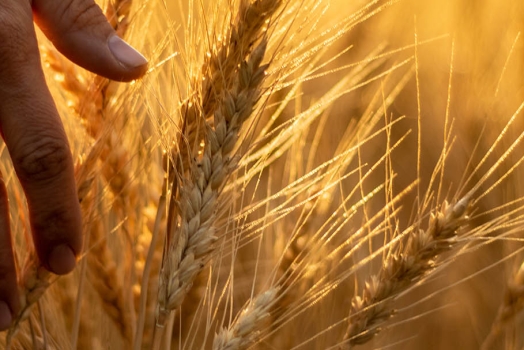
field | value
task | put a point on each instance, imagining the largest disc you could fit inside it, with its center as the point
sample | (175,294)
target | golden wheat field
(291,174)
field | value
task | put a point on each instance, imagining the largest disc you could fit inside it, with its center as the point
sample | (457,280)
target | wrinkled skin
(33,132)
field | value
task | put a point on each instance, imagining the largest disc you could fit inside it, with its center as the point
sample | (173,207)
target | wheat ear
(35,280)
(190,240)
(245,329)
(213,115)
(401,270)
(512,305)
(235,88)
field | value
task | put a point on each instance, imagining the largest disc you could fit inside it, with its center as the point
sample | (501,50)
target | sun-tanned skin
(33,132)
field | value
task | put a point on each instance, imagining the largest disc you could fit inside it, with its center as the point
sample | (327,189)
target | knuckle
(42,159)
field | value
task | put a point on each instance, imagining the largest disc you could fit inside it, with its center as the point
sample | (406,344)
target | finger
(36,141)
(9,303)
(79,30)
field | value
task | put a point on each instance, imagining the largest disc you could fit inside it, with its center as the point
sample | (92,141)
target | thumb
(81,32)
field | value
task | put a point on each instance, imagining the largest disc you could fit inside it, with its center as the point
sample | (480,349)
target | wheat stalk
(104,277)
(148,264)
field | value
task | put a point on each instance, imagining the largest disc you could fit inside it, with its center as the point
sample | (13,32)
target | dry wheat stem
(104,277)
(117,13)
(148,268)
(403,269)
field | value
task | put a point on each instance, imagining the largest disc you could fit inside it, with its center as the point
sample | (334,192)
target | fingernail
(125,53)
(62,260)
(5,316)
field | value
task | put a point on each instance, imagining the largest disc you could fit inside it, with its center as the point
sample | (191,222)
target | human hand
(33,132)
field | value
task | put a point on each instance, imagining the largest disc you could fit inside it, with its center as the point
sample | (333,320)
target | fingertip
(126,54)
(6,317)
(82,33)
(61,260)
(134,63)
